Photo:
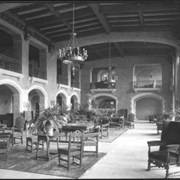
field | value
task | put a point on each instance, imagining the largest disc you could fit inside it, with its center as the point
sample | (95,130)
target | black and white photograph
(89,89)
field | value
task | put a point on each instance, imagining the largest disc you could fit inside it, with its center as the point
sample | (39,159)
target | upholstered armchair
(169,148)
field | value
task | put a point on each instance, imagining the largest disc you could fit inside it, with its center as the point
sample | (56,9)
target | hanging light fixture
(111,73)
(72,54)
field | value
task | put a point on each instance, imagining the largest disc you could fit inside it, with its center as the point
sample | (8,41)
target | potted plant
(49,119)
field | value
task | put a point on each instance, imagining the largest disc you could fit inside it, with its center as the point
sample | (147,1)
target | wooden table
(71,127)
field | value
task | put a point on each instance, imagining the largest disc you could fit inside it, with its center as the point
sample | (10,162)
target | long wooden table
(71,127)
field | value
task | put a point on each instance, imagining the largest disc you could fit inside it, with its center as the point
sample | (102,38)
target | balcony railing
(154,84)
(75,83)
(9,63)
(103,85)
(38,73)
(62,80)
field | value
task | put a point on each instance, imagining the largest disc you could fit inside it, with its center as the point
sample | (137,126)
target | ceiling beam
(147,7)
(103,21)
(8,6)
(48,21)
(31,29)
(140,14)
(57,14)
(95,8)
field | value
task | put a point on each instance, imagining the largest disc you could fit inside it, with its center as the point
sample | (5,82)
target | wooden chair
(5,139)
(45,139)
(169,148)
(117,122)
(74,149)
(104,130)
(91,139)
(31,140)
(18,129)
(104,127)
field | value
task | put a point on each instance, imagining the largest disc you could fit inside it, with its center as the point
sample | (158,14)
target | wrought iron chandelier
(72,54)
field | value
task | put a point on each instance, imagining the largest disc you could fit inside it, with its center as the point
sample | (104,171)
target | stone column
(69,76)
(42,58)
(177,78)
(16,107)
(17,51)
(25,57)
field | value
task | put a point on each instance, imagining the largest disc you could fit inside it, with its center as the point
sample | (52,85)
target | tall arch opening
(146,104)
(61,100)
(9,104)
(36,99)
(74,102)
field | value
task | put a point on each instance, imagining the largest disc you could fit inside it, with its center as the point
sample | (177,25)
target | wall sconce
(26,36)
(27,33)
(50,47)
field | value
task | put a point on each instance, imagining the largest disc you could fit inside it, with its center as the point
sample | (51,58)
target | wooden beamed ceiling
(53,20)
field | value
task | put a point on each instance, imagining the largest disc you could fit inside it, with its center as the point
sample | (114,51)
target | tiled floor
(126,158)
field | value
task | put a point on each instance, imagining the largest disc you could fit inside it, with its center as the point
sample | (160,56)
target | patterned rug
(21,160)
(113,134)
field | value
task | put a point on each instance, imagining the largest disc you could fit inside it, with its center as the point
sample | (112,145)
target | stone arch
(105,94)
(137,97)
(151,37)
(37,95)
(17,91)
(74,101)
(64,97)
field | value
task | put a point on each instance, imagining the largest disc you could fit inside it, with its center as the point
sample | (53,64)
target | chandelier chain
(73,54)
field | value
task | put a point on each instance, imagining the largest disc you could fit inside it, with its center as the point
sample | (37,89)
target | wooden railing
(102,85)
(37,72)
(9,63)
(75,83)
(147,84)
(62,80)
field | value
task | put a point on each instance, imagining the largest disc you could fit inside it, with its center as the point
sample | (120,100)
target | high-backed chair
(5,144)
(74,149)
(169,148)
(104,127)
(17,130)
(129,121)
(91,139)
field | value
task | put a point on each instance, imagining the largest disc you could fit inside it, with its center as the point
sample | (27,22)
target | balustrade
(102,85)
(147,84)
(37,72)
(75,83)
(62,80)
(9,63)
